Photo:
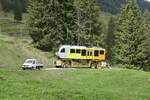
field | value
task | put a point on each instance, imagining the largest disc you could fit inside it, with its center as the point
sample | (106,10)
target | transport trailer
(80,56)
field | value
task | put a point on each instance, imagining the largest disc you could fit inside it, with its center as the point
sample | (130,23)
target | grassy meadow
(74,84)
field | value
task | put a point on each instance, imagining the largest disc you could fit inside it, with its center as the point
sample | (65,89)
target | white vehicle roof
(78,47)
(30,59)
(70,46)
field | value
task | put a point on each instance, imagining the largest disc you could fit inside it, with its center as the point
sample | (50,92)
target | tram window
(90,53)
(78,51)
(96,53)
(102,52)
(83,53)
(62,50)
(72,51)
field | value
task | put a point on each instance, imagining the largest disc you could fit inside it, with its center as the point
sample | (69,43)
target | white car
(31,64)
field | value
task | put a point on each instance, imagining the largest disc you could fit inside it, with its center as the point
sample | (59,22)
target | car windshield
(28,61)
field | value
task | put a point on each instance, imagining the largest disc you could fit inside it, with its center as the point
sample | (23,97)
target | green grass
(78,84)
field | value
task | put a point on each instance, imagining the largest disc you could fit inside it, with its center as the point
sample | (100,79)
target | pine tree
(17,11)
(68,24)
(6,5)
(128,34)
(90,31)
(9,5)
(57,22)
(110,37)
(51,23)
(144,48)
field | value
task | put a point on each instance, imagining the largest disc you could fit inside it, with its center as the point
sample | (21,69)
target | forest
(111,6)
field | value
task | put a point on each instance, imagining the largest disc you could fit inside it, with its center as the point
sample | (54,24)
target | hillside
(9,26)
(14,50)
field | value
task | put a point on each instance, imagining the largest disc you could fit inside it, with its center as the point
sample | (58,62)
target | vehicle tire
(64,66)
(92,66)
(24,68)
(58,66)
(37,67)
(32,68)
(96,66)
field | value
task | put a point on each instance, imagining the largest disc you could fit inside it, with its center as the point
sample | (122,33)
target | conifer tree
(110,37)
(44,23)
(90,30)
(128,34)
(57,22)
(143,56)
(17,11)
(67,16)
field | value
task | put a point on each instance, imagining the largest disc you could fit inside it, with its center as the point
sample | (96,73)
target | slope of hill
(9,26)
(13,52)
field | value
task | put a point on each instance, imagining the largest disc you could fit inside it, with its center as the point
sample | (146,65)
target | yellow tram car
(80,56)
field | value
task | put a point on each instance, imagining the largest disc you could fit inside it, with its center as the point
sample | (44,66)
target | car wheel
(32,68)
(39,68)
(24,68)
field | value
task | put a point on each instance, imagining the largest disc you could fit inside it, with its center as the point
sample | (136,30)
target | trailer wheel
(58,66)
(92,65)
(96,66)
(64,66)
